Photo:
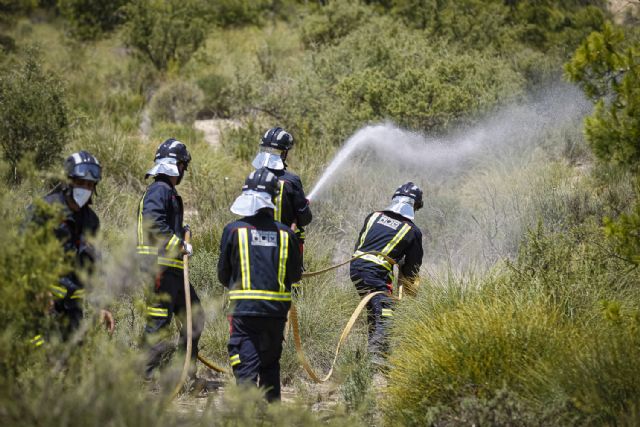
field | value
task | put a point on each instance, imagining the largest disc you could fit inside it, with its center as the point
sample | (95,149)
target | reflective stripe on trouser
(379,314)
(255,347)
(37,341)
(170,300)
(162,260)
(60,292)
(234,360)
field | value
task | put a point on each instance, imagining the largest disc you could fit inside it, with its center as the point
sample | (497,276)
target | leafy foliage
(32,262)
(34,118)
(178,101)
(333,22)
(607,66)
(90,19)
(502,25)
(166,33)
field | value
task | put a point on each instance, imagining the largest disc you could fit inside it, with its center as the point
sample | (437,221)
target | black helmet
(82,165)
(262,180)
(410,190)
(277,138)
(173,149)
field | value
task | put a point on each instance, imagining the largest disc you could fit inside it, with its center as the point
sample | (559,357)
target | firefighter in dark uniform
(161,246)
(392,233)
(78,223)
(291,205)
(259,260)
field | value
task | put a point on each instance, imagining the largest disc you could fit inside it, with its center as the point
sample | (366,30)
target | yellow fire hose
(187,303)
(293,319)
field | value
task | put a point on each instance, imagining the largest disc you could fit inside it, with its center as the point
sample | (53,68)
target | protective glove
(187,249)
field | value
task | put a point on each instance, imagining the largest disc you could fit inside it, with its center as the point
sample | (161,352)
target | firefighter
(161,245)
(291,205)
(78,224)
(392,233)
(259,260)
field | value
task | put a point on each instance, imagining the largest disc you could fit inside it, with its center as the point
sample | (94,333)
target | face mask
(81,195)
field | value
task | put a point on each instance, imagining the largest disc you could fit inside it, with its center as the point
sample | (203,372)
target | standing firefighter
(291,205)
(161,244)
(259,260)
(78,223)
(392,233)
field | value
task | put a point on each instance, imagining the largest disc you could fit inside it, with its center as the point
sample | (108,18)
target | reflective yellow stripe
(157,311)
(374,258)
(234,360)
(171,262)
(79,293)
(261,295)
(277,215)
(245,267)
(387,249)
(58,291)
(37,341)
(147,250)
(387,312)
(372,220)
(140,230)
(172,243)
(396,239)
(284,254)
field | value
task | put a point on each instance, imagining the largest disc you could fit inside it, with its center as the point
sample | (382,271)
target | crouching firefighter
(392,233)
(291,205)
(78,224)
(161,247)
(259,260)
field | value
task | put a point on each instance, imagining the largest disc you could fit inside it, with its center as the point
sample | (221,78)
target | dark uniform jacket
(259,260)
(160,230)
(393,235)
(291,204)
(73,232)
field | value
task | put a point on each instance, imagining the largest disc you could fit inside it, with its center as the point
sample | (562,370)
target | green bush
(166,33)
(479,345)
(229,13)
(332,22)
(90,19)
(546,26)
(605,65)
(33,261)
(218,100)
(33,115)
(602,380)
(177,102)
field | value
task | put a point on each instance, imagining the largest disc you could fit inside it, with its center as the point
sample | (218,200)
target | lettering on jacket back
(389,222)
(264,238)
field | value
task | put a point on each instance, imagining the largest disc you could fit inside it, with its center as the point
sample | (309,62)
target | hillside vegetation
(519,118)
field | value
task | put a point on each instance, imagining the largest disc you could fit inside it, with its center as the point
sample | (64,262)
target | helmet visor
(250,202)
(87,171)
(402,205)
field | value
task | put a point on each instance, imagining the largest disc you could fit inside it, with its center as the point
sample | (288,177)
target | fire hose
(295,326)
(187,301)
